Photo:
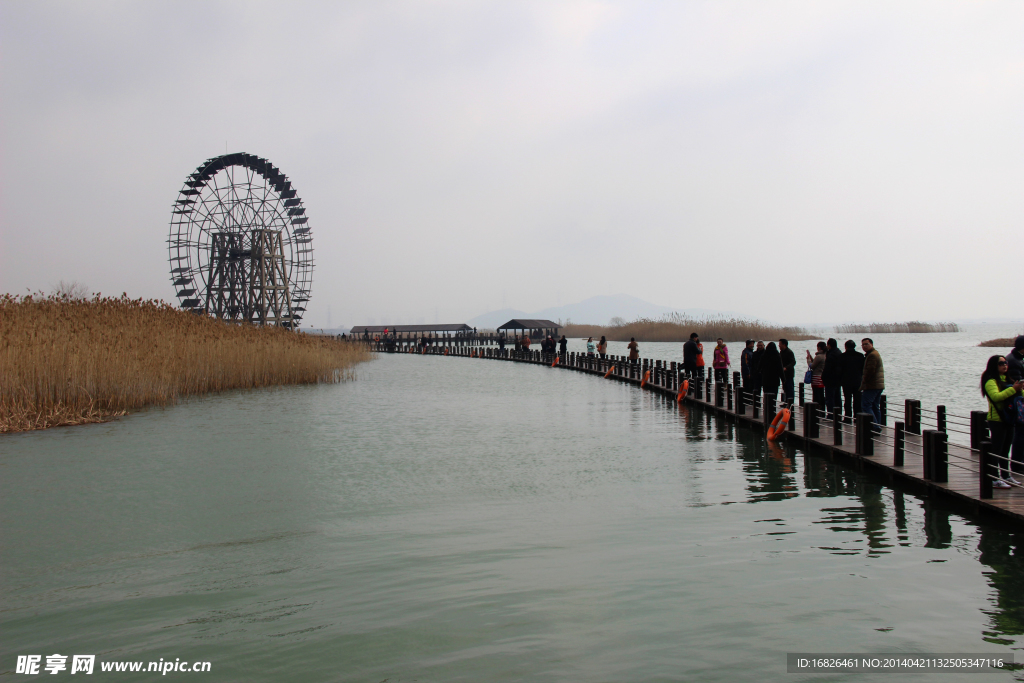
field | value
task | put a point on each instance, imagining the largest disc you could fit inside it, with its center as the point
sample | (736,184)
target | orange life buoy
(554,362)
(611,369)
(647,376)
(446,350)
(779,424)
(683,388)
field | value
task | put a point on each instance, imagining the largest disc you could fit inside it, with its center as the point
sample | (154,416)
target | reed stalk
(67,360)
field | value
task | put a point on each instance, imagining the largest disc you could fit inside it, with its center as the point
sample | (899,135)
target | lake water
(452,519)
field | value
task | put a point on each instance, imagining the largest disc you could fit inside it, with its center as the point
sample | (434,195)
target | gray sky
(794,161)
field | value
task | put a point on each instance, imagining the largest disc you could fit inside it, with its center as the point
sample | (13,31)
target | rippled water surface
(445,519)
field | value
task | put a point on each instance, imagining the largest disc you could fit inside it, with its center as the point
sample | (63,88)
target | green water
(446,519)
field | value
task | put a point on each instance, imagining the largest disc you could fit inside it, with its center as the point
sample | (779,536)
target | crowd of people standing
(841,381)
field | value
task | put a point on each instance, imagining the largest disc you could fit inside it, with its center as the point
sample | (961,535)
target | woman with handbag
(815,366)
(1001,396)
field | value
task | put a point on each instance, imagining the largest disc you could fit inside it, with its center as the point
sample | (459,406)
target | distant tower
(240,243)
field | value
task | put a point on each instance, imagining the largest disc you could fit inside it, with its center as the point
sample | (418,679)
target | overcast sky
(795,161)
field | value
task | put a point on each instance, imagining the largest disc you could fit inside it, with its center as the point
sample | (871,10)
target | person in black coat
(771,370)
(788,372)
(832,374)
(755,369)
(853,372)
(690,355)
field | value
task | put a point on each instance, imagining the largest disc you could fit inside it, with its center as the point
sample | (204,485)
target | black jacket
(771,366)
(690,355)
(1014,366)
(755,363)
(788,362)
(853,369)
(832,373)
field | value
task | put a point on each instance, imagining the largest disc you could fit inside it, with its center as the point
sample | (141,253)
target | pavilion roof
(375,329)
(529,324)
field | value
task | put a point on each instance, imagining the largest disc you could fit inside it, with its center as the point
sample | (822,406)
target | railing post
(741,404)
(987,473)
(707,390)
(719,395)
(940,457)
(912,415)
(940,418)
(755,406)
(936,463)
(899,447)
(979,430)
(864,444)
(837,428)
(737,378)
(728,392)
(811,430)
(883,410)
(801,393)
(926,450)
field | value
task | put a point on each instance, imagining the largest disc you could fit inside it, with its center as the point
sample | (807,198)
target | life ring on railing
(683,388)
(554,362)
(647,376)
(611,369)
(779,424)
(446,350)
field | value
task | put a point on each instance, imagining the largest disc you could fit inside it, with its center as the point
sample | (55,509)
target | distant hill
(597,310)
(490,321)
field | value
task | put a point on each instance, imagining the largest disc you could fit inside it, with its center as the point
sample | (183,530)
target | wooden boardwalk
(962,490)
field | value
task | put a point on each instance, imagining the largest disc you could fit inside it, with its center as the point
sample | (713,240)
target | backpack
(1014,410)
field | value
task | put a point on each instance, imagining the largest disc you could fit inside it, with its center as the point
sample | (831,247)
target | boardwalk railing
(916,450)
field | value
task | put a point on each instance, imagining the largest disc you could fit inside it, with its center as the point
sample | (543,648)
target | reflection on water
(447,519)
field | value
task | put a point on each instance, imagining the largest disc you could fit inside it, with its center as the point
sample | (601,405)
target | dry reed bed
(70,361)
(1001,342)
(677,328)
(913,327)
